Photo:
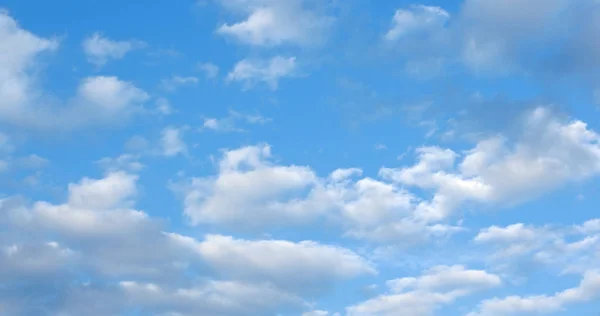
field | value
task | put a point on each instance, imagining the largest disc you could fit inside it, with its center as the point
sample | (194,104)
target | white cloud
(251,71)
(549,153)
(212,298)
(23,103)
(99,49)
(588,290)
(294,267)
(171,142)
(230,123)
(173,83)
(423,295)
(211,70)
(272,23)
(567,249)
(417,20)
(251,192)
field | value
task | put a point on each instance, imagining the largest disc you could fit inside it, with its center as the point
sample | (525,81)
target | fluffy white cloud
(102,237)
(568,249)
(253,71)
(421,296)
(416,20)
(588,289)
(99,100)
(100,49)
(272,22)
(549,153)
(251,192)
(295,267)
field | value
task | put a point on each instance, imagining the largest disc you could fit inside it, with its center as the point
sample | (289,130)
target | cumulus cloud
(272,23)
(251,192)
(416,20)
(568,249)
(100,49)
(588,289)
(98,100)
(423,295)
(549,153)
(502,37)
(102,237)
(251,72)
(304,267)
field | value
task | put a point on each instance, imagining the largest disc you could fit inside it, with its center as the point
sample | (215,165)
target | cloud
(422,295)
(588,289)
(251,192)
(303,267)
(273,23)
(211,70)
(103,238)
(497,37)
(99,49)
(549,153)
(253,71)
(100,100)
(568,249)
(171,142)
(230,123)
(416,20)
(173,83)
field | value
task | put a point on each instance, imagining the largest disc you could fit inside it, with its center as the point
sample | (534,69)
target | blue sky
(299,157)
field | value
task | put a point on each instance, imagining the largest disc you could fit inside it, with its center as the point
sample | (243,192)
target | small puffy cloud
(210,70)
(422,295)
(98,100)
(588,290)
(171,142)
(272,23)
(251,72)
(100,49)
(416,20)
(173,83)
(230,123)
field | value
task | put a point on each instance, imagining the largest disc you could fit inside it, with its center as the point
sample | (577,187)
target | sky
(299,157)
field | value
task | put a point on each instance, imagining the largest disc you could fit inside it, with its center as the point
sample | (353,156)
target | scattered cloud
(272,23)
(251,72)
(210,70)
(588,289)
(171,142)
(99,100)
(175,82)
(423,295)
(230,122)
(99,49)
